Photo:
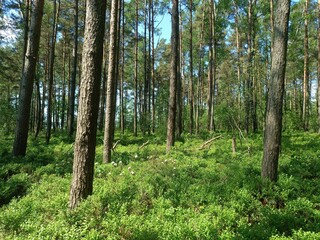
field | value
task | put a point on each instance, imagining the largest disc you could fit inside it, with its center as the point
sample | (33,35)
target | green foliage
(147,194)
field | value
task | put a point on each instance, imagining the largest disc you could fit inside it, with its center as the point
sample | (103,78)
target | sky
(164,26)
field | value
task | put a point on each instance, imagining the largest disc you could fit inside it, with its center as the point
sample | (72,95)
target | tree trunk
(26,19)
(51,70)
(74,72)
(85,143)
(179,90)
(111,84)
(191,88)
(212,69)
(153,114)
(272,135)
(174,74)
(136,42)
(63,97)
(26,86)
(122,106)
(306,95)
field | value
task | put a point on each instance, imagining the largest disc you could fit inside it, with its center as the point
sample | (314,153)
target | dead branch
(143,145)
(209,142)
(115,145)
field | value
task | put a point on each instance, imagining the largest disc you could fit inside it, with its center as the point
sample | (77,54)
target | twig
(143,145)
(209,142)
(115,145)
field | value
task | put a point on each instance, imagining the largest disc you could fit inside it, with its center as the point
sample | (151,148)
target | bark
(84,148)
(26,86)
(153,114)
(238,58)
(25,30)
(111,84)
(74,72)
(249,80)
(272,134)
(63,97)
(51,70)
(306,95)
(136,42)
(122,106)
(179,91)
(191,88)
(212,69)
(37,109)
(173,75)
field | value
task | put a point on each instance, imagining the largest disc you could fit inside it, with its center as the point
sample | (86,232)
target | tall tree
(249,119)
(71,100)
(173,74)
(26,85)
(306,94)
(122,97)
(212,68)
(85,143)
(272,134)
(191,88)
(51,70)
(136,45)
(111,84)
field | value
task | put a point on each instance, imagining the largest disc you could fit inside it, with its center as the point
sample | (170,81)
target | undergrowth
(194,192)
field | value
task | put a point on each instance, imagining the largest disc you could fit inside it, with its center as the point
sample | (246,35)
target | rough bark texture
(84,148)
(26,86)
(111,84)
(174,75)
(272,135)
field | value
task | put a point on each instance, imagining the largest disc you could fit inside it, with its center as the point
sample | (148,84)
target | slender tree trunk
(51,70)
(191,88)
(272,135)
(179,90)
(63,97)
(25,31)
(174,74)
(153,116)
(74,71)
(212,69)
(249,80)
(85,143)
(238,59)
(122,106)
(136,42)
(111,84)
(26,86)
(38,109)
(306,95)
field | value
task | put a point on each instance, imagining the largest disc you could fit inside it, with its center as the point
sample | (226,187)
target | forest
(172,119)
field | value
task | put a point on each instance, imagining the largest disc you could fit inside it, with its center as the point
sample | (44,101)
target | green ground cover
(191,193)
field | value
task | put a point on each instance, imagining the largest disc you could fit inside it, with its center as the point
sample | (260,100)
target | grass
(187,194)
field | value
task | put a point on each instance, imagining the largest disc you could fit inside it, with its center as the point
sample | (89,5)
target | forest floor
(195,192)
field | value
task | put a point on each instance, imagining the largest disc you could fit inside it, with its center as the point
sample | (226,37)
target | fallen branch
(115,145)
(143,145)
(209,142)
